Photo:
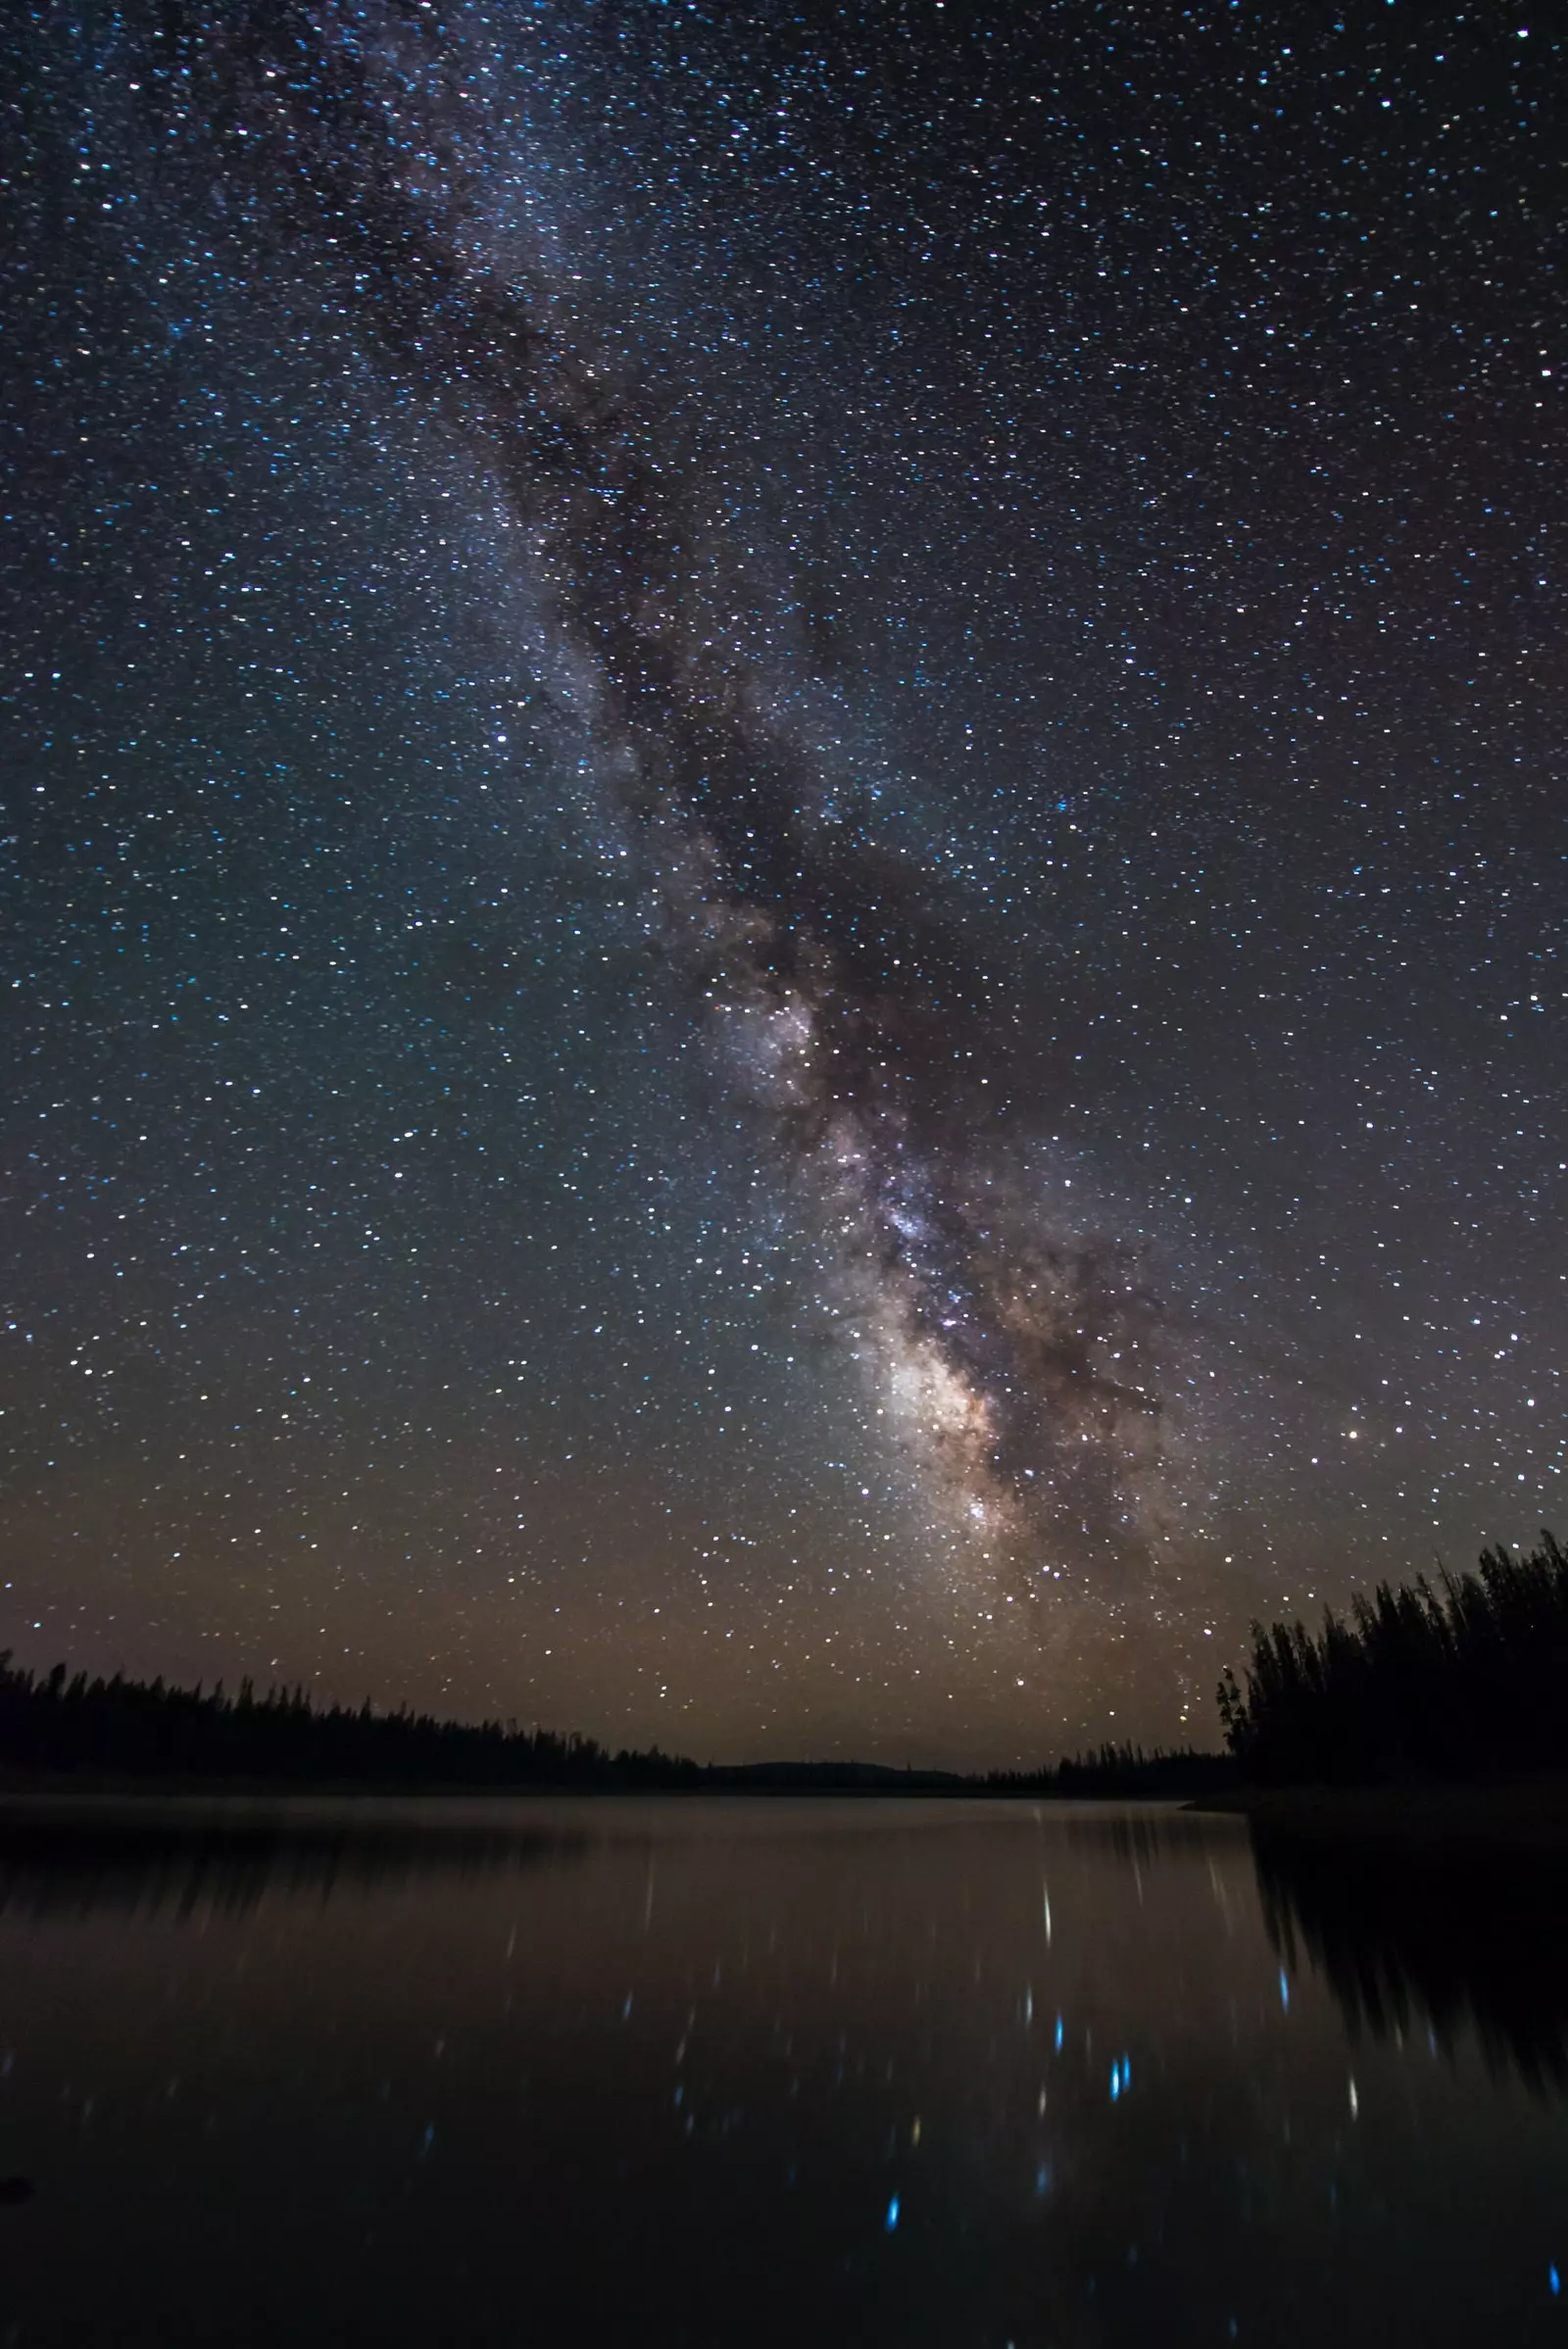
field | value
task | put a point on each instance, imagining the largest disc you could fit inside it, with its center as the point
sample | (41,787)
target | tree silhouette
(1466,1679)
(141,1727)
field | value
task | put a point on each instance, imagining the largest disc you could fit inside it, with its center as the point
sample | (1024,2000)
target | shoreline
(1524,1814)
(101,1785)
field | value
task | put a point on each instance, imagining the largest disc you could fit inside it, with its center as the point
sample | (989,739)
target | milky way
(855,1012)
(992,577)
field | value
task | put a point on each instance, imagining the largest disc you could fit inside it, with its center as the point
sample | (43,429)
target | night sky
(786,806)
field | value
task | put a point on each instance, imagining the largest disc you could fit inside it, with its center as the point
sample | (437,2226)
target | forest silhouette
(1463,1681)
(56,1722)
(118,1727)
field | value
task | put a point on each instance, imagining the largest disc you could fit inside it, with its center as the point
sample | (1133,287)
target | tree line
(1111,1771)
(120,1727)
(1465,1679)
(147,1728)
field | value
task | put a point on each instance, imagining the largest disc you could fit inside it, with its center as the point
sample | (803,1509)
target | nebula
(850,1001)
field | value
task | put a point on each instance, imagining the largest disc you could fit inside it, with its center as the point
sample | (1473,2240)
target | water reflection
(1449,1941)
(895,2076)
(137,1854)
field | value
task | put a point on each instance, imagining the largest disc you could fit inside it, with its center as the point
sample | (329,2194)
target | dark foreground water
(755,2072)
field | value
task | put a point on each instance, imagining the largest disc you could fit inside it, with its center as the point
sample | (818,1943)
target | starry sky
(785,825)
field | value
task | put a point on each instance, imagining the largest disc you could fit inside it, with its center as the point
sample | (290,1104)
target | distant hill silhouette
(834,1777)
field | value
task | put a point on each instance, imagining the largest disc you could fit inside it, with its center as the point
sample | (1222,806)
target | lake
(755,2071)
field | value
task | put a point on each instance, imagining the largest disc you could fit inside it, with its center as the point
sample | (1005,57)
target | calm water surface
(755,2071)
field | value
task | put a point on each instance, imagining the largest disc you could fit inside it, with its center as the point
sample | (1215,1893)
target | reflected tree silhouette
(1448,1938)
(189,1859)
